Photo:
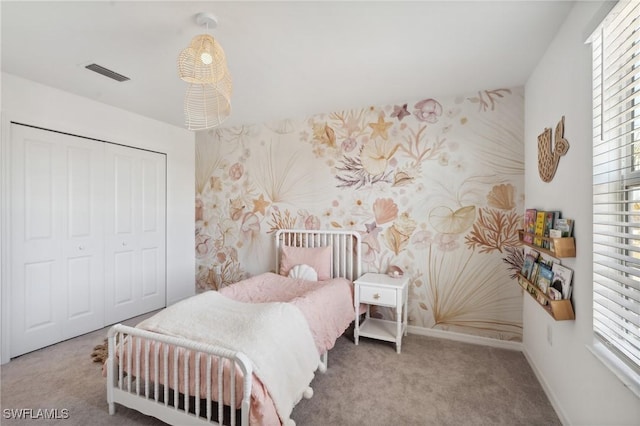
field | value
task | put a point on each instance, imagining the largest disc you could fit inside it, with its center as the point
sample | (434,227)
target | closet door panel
(134,229)
(151,207)
(37,272)
(79,276)
(82,191)
(39,291)
(124,278)
(150,268)
(87,235)
(38,163)
(153,230)
(124,197)
(121,245)
(83,242)
(56,246)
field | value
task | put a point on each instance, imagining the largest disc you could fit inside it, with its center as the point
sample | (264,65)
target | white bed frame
(137,390)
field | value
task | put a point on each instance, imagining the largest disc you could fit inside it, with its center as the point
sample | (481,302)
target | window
(616,186)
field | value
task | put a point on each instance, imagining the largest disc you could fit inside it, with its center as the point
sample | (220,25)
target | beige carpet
(433,382)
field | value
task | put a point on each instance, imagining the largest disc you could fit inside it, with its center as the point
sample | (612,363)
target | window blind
(616,182)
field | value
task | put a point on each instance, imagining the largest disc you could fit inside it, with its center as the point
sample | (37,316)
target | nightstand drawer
(377,295)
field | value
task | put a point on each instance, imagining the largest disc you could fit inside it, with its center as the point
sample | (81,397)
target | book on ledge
(539,231)
(562,280)
(550,218)
(545,276)
(529,225)
(565,226)
(527,266)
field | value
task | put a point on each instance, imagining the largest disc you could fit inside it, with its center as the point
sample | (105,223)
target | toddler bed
(206,360)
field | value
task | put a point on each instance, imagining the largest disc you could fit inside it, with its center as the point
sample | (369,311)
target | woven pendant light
(206,105)
(203,65)
(203,61)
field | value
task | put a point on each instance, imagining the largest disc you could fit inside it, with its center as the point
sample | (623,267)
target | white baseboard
(547,389)
(466,338)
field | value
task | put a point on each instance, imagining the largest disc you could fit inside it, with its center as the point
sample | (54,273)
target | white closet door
(83,248)
(134,232)
(57,249)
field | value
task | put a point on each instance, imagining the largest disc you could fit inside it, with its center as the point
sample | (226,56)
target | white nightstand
(381,290)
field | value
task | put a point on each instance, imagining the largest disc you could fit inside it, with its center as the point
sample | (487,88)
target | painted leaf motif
(401,179)
(446,221)
(331,136)
(395,239)
(398,235)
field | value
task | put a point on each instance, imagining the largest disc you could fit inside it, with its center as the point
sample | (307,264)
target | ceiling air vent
(107,72)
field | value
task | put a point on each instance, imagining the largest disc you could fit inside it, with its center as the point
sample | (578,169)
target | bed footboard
(176,380)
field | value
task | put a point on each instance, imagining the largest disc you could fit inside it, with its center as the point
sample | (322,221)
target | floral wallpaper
(435,186)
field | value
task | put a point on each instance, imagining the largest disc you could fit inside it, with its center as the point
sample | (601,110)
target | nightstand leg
(356,308)
(405,323)
(398,329)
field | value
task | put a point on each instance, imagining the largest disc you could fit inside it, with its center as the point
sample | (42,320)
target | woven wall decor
(549,153)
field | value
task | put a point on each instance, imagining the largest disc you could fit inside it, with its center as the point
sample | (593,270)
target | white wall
(582,390)
(35,104)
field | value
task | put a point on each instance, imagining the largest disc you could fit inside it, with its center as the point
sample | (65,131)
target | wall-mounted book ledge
(560,310)
(558,247)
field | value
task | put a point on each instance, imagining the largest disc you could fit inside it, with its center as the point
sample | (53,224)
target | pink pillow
(319,258)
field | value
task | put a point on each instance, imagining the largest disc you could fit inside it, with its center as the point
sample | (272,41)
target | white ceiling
(287,59)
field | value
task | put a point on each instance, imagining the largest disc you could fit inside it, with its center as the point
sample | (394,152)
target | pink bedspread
(327,305)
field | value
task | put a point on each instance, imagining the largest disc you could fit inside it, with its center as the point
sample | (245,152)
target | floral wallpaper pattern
(434,186)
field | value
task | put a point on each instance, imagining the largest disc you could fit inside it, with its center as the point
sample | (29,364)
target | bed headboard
(345,248)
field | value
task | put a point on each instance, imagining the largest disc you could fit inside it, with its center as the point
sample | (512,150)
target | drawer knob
(376,296)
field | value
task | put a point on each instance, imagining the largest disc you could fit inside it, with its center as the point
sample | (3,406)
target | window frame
(626,172)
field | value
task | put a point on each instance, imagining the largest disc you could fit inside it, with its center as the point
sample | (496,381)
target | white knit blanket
(275,336)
